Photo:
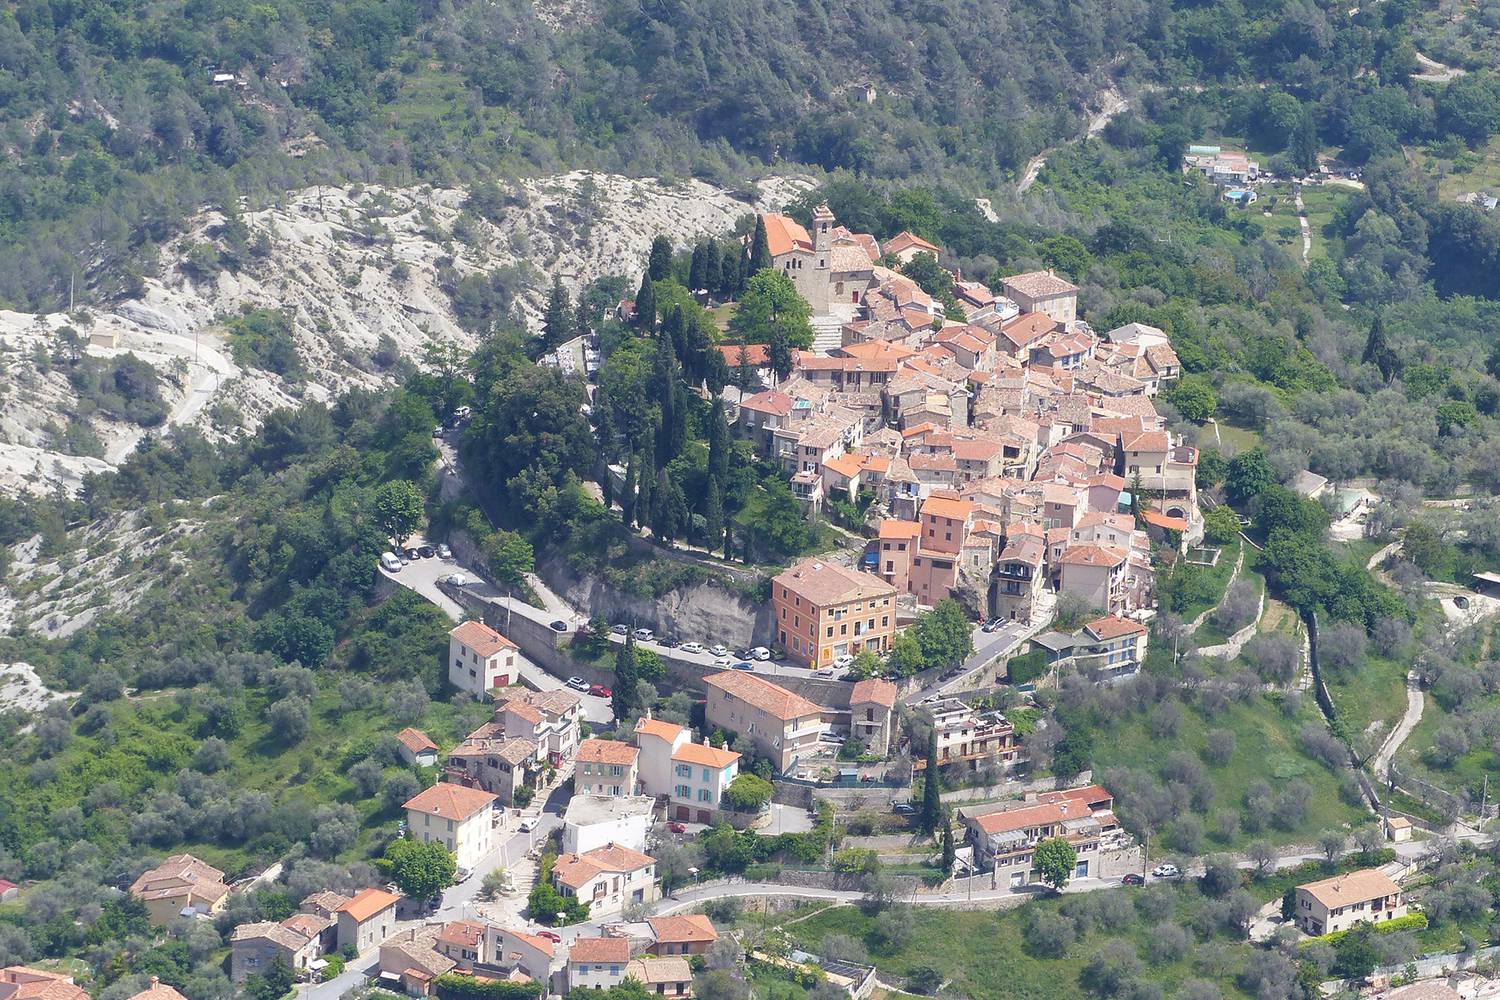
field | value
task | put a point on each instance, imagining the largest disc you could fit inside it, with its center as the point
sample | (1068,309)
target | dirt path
(1413,715)
(1111,103)
(1435,72)
(1306,229)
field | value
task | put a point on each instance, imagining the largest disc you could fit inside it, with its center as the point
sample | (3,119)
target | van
(760,653)
(389,562)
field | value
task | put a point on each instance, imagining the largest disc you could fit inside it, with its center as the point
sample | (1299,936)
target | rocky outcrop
(363,274)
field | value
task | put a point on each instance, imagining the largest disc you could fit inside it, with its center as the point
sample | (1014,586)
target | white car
(389,562)
(528,824)
(457,579)
(840,662)
(444,552)
(760,653)
(643,635)
(718,649)
(578,684)
(692,647)
(1166,871)
(721,661)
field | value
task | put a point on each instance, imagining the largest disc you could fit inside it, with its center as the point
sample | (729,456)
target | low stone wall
(903,884)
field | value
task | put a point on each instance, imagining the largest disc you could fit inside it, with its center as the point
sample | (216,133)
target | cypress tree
(557,322)
(645,484)
(744,371)
(698,269)
(660,264)
(731,256)
(949,853)
(728,540)
(1378,351)
(760,248)
(627,679)
(932,789)
(718,442)
(713,514)
(627,495)
(645,304)
(780,350)
(713,267)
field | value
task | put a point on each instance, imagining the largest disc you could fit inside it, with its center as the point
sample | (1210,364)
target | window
(707,775)
(682,792)
(703,795)
(684,770)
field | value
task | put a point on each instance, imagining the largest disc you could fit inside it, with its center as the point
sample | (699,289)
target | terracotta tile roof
(158,990)
(18,982)
(181,876)
(892,528)
(481,638)
(1092,555)
(326,901)
(683,929)
(521,710)
(871,350)
(449,801)
(266,930)
(1113,626)
(941,462)
(1038,285)
(415,740)
(368,902)
(777,404)
(1166,523)
(1351,887)
(558,701)
(758,355)
(463,933)
(761,694)
(905,240)
(823,583)
(848,260)
(309,925)
(656,727)
(949,507)
(785,234)
(536,941)
(1149,441)
(650,970)
(597,751)
(610,950)
(846,465)
(705,756)
(1043,814)
(576,870)
(873,691)
(1088,793)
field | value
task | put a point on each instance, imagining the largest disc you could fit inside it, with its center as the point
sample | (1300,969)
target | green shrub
(1027,667)
(1410,922)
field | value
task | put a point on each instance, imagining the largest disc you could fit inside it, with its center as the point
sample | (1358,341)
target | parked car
(426,551)
(600,691)
(404,560)
(578,684)
(1131,878)
(444,552)
(1166,871)
(744,665)
(841,662)
(676,827)
(412,554)
(643,635)
(669,641)
(390,563)
(903,809)
(559,626)
(619,629)
(528,824)
(457,579)
(993,624)
(760,653)
(718,649)
(692,647)
(552,936)
(825,672)
(721,661)
(461,875)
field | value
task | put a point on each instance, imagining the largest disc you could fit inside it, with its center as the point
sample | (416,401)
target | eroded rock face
(357,271)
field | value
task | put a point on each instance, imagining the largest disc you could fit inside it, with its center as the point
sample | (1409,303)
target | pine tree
(760,248)
(557,322)
(718,441)
(932,787)
(713,268)
(949,852)
(713,514)
(627,680)
(660,265)
(698,269)
(627,495)
(744,371)
(645,304)
(1378,351)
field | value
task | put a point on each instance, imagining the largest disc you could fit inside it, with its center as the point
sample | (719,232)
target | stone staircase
(826,333)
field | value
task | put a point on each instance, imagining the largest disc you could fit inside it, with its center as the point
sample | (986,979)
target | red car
(600,691)
(552,936)
(675,827)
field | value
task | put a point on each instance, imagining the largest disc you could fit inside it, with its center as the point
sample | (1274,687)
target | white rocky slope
(351,266)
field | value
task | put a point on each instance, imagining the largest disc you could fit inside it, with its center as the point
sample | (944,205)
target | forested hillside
(116,128)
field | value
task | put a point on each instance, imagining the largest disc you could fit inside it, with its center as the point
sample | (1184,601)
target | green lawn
(1320,202)
(1235,440)
(1375,694)
(1213,580)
